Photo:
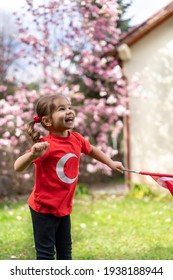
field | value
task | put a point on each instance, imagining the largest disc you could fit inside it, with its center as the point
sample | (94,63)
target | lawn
(103,227)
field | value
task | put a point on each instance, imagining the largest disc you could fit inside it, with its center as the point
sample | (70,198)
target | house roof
(137,32)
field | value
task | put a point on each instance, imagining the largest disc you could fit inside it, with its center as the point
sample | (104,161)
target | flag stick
(149,173)
(132,171)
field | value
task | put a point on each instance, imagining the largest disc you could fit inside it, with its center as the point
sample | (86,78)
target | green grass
(106,228)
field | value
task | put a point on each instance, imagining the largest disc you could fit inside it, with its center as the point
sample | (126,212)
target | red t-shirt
(57,174)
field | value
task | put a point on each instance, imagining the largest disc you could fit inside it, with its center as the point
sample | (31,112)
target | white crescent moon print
(60,169)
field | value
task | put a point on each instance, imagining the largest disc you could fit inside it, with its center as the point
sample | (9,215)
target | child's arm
(24,161)
(102,157)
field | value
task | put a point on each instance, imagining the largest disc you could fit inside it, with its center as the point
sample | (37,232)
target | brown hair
(44,107)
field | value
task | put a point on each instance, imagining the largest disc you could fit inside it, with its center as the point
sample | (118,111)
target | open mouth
(69,120)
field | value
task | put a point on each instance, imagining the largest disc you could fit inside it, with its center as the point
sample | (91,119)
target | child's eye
(61,109)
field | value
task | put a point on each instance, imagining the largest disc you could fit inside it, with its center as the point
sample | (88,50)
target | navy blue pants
(52,234)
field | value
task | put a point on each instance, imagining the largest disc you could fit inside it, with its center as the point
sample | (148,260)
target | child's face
(63,116)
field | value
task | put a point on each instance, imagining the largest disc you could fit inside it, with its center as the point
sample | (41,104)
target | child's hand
(117,166)
(39,149)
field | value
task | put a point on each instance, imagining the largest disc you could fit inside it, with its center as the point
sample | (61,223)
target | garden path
(110,188)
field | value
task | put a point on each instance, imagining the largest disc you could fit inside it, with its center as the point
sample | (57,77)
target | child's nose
(69,110)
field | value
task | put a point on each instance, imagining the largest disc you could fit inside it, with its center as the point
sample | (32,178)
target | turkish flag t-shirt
(56,174)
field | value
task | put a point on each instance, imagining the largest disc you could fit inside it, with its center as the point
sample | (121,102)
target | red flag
(164,180)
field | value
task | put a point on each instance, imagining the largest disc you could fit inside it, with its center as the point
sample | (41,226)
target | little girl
(56,158)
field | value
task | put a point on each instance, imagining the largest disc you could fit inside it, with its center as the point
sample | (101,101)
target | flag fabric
(164,180)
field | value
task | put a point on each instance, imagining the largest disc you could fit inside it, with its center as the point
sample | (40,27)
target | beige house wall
(150,76)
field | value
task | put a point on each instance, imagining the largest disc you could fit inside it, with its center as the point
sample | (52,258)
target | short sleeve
(85,144)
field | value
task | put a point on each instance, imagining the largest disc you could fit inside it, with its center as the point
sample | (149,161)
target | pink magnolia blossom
(3,88)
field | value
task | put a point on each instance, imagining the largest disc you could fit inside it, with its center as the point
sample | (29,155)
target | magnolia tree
(67,46)
(101,79)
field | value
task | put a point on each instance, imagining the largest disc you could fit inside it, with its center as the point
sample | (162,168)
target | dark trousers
(52,233)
